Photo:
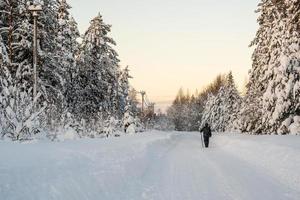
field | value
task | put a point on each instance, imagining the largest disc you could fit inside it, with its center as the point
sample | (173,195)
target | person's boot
(206,144)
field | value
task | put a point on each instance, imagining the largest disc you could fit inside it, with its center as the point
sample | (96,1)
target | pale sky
(169,44)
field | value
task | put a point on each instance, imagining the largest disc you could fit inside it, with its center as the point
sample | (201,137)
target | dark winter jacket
(206,131)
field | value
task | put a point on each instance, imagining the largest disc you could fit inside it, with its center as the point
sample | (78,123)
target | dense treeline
(81,85)
(274,84)
(271,104)
(188,112)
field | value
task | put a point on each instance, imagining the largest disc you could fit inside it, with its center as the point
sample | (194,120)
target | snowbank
(153,165)
(277,155)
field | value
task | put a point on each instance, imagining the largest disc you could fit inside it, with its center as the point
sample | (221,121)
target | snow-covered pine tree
(163,123)
(71,85)
(19,116)
(129,122)
(132,100)
(221,110)
(123,90)
(179,111)
(67,49)
(232,102)
(16,32)
(250,114)
(67,44)
(111,126)
(50,70)
(274,76)
(194,117)
(202,98)
(208,112)
(281,101)
(214,111)
(97,80)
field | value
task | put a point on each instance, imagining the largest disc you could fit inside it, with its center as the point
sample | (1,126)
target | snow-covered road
(156,165)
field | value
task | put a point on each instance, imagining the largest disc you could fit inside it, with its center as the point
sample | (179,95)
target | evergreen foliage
(186,111)
(271,105)
(98,75)
(81,86)
(221,109)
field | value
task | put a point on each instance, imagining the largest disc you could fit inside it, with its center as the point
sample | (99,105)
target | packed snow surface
(153,165)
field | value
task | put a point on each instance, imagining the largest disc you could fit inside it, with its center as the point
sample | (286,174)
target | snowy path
(157,166)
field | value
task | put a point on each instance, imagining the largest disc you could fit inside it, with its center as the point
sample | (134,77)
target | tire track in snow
(178,168)
(253,180)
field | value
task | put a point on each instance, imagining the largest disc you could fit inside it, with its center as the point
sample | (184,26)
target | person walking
(206,134)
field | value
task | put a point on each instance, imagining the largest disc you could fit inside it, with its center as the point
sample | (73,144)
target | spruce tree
(250,114)
(19,117)
(178,112)
(281,98)
(67,49)
(98,72)
(232,102)
(273,86)
(16,32)
(209,111)
(221,110)
(123,91)
(67,45)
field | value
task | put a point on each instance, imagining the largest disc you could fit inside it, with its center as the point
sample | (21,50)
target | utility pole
(143,93)
(35,9)
(118,105)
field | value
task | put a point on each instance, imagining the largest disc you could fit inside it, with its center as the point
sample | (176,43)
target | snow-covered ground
(153,165)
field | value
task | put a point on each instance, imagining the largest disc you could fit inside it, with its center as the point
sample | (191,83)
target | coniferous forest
(271,103)
(83,88)
(74,125)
